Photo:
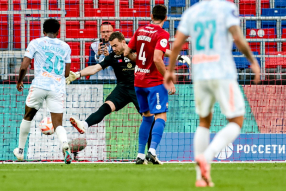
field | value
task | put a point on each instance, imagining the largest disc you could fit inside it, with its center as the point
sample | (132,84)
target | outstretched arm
(23,70)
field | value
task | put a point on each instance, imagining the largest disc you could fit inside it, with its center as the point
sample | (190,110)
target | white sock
(85,125)
(153,151)
(140,155)
(62,134)
(24,131)
(221,140)
(201,142)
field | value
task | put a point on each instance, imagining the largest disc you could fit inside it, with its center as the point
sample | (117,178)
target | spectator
(98,51)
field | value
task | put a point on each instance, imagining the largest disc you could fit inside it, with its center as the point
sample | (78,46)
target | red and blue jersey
(145,41)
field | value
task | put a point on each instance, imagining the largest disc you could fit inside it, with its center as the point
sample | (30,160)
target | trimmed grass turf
(116,177)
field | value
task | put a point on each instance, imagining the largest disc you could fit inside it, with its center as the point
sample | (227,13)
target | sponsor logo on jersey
(143,30)
(144,38)
(129,65)
(164,43)
(46,74)
(117,56)
(137,69)
(202,58)
(126,59)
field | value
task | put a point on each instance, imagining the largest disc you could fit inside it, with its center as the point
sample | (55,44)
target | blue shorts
(154,99)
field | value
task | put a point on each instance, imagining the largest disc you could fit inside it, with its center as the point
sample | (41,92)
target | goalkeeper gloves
(184,59)
(72,77)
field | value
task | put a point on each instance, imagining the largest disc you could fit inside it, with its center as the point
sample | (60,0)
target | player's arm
(88,71)
(22,72)
(243,46)
(68,68)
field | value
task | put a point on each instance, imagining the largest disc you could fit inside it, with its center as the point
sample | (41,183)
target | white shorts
(225,92)
(55,101)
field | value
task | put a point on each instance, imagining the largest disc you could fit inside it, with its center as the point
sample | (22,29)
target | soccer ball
(46,126)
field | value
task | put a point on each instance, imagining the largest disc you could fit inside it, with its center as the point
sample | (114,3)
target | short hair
(51,26)
(106,23)
(117,35)
(159,12)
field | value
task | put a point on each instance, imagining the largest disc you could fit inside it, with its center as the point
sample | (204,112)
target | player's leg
(115,101)
(232,105)
(146,123)
(55,104)
(158,104)
(133,97)
(204,100)
(33,104)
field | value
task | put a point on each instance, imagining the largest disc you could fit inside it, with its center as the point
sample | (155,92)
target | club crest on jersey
(164,43)
(129,65)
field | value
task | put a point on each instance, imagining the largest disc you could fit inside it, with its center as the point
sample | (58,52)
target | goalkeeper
(124,91)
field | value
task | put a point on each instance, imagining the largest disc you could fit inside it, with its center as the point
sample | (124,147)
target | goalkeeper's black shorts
(121,96)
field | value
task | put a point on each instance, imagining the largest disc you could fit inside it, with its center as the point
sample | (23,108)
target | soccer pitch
(116,177)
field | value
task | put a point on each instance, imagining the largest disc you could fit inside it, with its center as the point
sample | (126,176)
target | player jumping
(212,25)
(52,65)
(150,43)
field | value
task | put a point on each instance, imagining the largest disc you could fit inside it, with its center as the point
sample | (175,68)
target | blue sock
(157,133)
(144,133)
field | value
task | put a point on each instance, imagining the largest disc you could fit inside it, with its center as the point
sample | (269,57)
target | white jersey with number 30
(51,56)
(207,23)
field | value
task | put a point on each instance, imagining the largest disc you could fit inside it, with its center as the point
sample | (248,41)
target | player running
(52,65)
(212,25)
(151,42)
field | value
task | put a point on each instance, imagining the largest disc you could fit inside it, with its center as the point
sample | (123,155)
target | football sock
(62,134)
(201,142)
(24,131)
(98,116)
(221,140)
(144,131)
(157,133)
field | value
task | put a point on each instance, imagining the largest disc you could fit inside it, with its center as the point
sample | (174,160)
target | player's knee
(112,106)
(28,117)
(147,114)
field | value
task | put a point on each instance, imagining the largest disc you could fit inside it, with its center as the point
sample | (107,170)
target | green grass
(116,177)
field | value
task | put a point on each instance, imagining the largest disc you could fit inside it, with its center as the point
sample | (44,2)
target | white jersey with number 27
(50,58)
(207,23)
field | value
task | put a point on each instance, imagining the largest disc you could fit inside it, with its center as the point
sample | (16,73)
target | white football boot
(78,125)
(19,156)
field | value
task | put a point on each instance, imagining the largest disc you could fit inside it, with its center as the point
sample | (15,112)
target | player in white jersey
(52,65)
(213,25)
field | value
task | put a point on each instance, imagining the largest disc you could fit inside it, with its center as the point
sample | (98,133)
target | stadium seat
(17,5)
(34,4)
(126,27)
(280,4)
(81,33)
(3,5)
(143,11)
(88,4)
(35,30)
(194,1)
(141,2)
(248,7)
(261,33)
(53,4)
(273,12)
(75,64)
(273,62)
(90,25)
(72,25)
(75,48)
(87,48)
(72,8)
(3,35)
(100,12)
(252,25)
(55,15)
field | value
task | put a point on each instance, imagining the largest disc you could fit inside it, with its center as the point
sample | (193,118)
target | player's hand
(105,51)
(20,86)
(72,77)
(184,59)
(256,70)
(169,80)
